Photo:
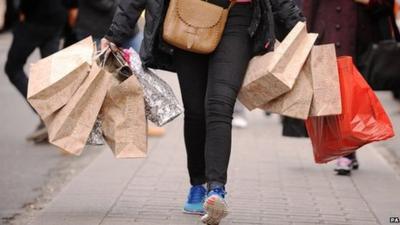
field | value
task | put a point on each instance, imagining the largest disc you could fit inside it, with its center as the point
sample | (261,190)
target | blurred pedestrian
(292,127)
(353,25)
(69,33)
(39,26)
(209,84)
(94,18)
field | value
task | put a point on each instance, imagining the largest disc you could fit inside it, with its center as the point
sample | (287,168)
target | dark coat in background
(44,12)
(95,17)
(352,26)
(299,3)
(155,53)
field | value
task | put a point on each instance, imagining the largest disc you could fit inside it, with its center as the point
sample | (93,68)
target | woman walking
(209,83)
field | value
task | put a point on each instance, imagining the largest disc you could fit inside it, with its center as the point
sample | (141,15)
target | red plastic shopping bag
(363,119)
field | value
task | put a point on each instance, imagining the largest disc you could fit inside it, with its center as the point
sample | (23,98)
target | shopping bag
(54,79)
(69,128)
(325,81)
(123,119)
(273,74)
(162,106)
(96,135)
(297,102)
(363,119)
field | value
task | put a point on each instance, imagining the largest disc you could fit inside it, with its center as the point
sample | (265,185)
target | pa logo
(394,220)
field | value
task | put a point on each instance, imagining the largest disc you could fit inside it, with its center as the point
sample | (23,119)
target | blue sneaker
(215,207)
(195,201)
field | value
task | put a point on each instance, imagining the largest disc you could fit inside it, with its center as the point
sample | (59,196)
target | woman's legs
(227,67)
(192,74)
(209,86)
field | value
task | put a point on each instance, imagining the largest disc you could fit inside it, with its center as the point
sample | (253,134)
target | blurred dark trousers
(209,86)
(28,37)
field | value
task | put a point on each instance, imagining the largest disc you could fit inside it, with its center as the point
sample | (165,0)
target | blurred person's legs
(292,127)
(69,36)
(396,94)
(26,38)
(23,44)
(344,165)
(296,128)
(239,116)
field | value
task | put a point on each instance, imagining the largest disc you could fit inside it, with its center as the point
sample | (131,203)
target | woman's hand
(104,44)
(365,2)
(21,17)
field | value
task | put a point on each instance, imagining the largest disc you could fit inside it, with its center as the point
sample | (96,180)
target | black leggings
(209,86)
(28,37)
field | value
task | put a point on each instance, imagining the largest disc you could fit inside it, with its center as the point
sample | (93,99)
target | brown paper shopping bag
(273,74)
(54,79)
(123,118)
(325,81)
(69,128)
(297,102)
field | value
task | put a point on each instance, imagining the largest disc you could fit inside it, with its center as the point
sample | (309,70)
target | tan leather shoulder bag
(195,25)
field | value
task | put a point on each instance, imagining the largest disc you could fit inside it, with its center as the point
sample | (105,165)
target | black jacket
(269,16)
(95,17)
(44,12)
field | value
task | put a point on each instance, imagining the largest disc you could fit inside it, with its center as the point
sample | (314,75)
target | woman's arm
(286,16)
(287,13)
(125,19)
(102,5)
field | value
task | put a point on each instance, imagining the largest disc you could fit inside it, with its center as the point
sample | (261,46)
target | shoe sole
(38,135)
(193,213)
(41,139)
(216,209)
(343,172)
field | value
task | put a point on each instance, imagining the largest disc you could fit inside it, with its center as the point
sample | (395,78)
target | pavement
(31,175)
(393,110)
(272,179)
